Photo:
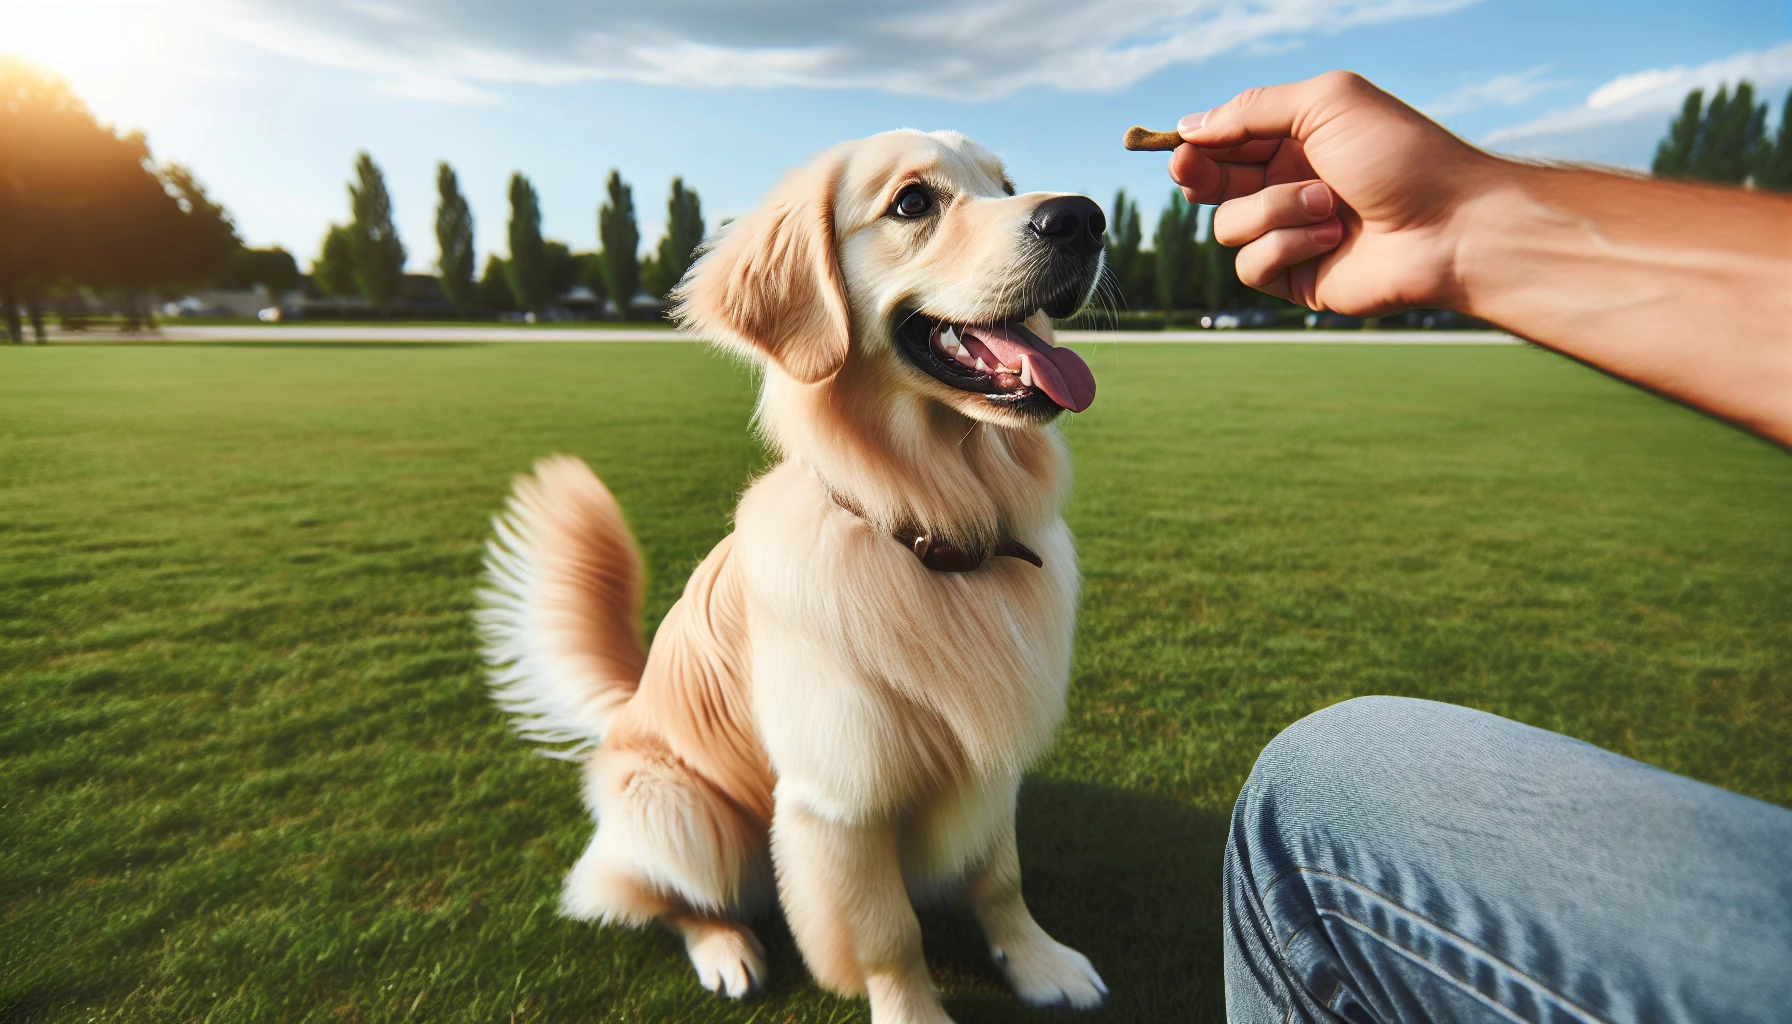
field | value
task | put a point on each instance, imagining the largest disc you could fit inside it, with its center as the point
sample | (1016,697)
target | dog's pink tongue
(1058,372)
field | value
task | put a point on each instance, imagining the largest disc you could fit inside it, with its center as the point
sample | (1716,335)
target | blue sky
(269,100)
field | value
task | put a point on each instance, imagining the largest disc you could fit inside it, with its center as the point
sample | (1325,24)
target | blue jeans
(1396,860)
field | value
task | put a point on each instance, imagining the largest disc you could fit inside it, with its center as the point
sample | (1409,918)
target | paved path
(462,333)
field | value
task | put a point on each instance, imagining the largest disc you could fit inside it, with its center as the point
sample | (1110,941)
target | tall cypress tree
(378,254)
(1735,132)
(530,279)
(1125,234)
(1673,156)
(684,232)
(1219,273)
(1773,168)
(1177,251)
(621,239)
(1722,141)
(454,236)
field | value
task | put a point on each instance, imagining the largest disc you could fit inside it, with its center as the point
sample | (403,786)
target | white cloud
(1620,121)
(1498,91)
(454,50)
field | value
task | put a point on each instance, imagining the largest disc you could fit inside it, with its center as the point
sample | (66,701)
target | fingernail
(1316,199)
(1190,122)
(1329,233)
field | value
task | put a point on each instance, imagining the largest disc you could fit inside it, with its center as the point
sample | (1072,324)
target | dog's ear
(770,285)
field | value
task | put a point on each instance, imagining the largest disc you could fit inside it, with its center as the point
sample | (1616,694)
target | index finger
(1255,152)
(1291,111)
(1215,176)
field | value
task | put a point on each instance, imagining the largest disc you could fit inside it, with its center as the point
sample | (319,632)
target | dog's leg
(668,849)
(1043,971)
(726,954)
(844,897)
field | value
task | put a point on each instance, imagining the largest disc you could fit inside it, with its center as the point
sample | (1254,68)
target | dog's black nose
(1070,222)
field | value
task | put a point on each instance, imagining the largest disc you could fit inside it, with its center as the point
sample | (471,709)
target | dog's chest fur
(880,686)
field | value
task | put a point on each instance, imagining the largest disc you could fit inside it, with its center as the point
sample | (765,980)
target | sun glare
(120,56)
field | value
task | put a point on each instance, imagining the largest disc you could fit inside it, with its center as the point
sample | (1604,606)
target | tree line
(83,207)
(365,258)
(1725,141)
(1184,269)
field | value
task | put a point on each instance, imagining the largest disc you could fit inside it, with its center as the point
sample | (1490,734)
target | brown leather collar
(942,555)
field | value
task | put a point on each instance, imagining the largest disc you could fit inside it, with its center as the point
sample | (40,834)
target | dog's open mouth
(1003,361)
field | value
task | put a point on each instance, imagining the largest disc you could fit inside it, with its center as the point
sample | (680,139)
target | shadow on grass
(1130,879)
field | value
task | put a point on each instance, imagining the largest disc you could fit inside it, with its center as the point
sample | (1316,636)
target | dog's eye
(913,201)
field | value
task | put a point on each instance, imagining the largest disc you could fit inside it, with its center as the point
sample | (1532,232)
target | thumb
(1291,111)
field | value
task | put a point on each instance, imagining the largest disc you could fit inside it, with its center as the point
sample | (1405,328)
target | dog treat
(1143,140)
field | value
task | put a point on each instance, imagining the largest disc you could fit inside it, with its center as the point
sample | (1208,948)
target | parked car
(1443,320)
(1248,319)
(1333,322)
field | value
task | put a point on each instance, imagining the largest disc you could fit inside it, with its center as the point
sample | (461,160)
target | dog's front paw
(729,961)
(1048,973)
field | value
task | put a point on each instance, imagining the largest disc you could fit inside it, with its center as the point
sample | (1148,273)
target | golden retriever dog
(837,712)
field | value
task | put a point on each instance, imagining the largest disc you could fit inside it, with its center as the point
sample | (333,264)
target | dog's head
(907,259)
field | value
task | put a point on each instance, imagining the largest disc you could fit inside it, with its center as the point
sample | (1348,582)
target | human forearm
(1685,290)
(1341,197)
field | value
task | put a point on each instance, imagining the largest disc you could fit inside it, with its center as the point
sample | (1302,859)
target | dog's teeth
(949,336)
(963,355)
(1026,371)
(981,365)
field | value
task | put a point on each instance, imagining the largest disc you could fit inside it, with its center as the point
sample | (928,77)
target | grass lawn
(248,771)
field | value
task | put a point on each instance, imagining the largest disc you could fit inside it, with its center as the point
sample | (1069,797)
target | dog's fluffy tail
(561,608)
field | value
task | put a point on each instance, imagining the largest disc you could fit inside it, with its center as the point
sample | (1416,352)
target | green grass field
(248,771)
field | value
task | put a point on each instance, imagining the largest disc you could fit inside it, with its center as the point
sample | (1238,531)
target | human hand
(1342,197)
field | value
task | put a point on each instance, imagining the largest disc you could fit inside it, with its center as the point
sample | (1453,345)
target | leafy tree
(378,253)
(565,267)
(493,293)
(167,232)
(621,241)
(454,239)
(653,280)
(1125,233)
(592,276)
(80,204)
(334,269)
(1719,142)
(1178,268)
(684,233)
(1144,280)
(528,263)
(197,237)
(1773,168)
(273,269)
(1220,286)
(46,136)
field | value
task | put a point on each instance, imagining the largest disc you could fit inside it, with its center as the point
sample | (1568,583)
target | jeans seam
(1298,932)
(1278,881)
(1561,1000)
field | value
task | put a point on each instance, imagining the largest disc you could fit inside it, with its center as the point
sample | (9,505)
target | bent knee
(1371,736)
(1364,763)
